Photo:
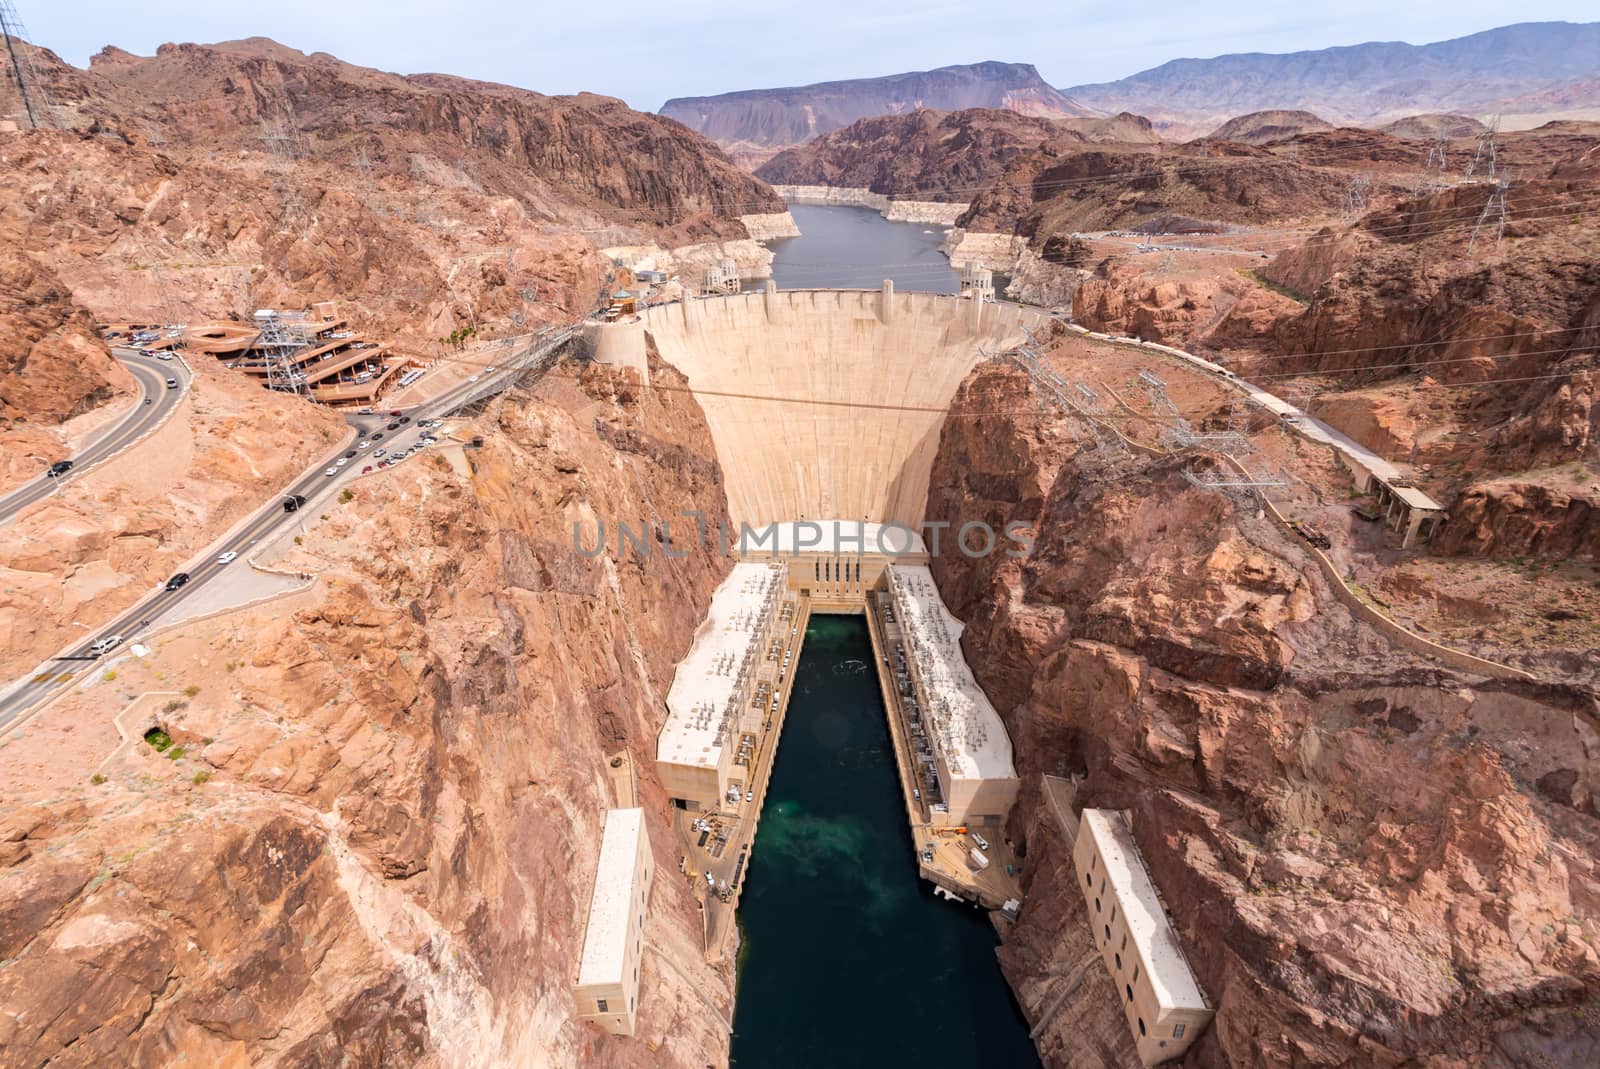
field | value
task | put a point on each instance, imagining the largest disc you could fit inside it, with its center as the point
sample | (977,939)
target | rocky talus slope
(376,844)
(1370,860)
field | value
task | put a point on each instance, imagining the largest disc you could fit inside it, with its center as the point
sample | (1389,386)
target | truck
(979,841)
(977,860)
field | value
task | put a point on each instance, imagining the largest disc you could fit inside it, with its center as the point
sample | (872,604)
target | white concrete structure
(607,990)
(695,751)
(1163,1003)
(971,750)
(618,344)
(828,403)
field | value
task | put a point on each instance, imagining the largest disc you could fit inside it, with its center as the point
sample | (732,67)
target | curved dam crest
(827,404)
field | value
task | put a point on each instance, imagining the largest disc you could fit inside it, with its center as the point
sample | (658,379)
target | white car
(106,645)
(331,472)
(228,557)
(341,462)
(377,454)
(488,371)
(362,445)
(474,378)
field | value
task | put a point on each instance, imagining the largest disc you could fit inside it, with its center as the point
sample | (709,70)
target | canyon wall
(783,378)
(1369,859)
(373,839)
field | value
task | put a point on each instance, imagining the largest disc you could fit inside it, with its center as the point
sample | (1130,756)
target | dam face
(827,404)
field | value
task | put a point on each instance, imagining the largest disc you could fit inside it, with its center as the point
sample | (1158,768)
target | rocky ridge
(1366,861)
(372,839)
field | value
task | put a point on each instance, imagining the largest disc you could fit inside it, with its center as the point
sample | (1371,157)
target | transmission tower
(1433,171)
(1493,215)
(1355,197)
(1483,161)
(283,336)
(35,101)
(1179,433)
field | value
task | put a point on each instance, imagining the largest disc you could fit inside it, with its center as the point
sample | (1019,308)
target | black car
(375,435)
(393,426)
(350,454)
(60,468)
(405,419)
(177,581)
(293,502)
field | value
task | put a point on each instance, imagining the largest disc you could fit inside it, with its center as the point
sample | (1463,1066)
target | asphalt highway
(152,375)
(267,522)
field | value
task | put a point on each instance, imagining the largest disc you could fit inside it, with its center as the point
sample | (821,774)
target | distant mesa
(1427,127)
(1261,127)
(776,118)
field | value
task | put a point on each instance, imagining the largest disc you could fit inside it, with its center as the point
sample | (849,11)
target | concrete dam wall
(827,404)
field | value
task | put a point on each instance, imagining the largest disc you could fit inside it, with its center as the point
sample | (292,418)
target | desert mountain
(776,118)
(1362,83)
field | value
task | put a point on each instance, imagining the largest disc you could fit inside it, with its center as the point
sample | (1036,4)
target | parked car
(377,454)
(228,557)
(366,469)
(106,645)
(177,581)
(163,356)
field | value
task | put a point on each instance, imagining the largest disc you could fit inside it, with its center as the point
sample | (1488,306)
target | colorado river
(848,958)
(856,248)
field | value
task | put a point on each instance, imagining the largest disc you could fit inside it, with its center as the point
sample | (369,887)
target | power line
(35,99)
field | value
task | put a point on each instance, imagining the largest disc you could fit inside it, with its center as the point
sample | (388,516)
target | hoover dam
(825,407)
(824,404)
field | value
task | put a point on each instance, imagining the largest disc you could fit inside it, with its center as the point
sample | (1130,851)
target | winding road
(267,521)
(155,404)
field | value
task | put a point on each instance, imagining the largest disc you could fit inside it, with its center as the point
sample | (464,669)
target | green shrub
(176,753)
(97,779)
(159,739)
(203,776)
(191,690)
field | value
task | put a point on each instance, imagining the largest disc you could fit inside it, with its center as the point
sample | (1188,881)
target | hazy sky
(646,52)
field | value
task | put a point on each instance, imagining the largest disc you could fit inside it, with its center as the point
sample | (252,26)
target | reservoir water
(856,248)
(848,959)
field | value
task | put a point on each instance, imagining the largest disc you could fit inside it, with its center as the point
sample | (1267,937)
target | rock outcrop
(53,367)
(921,155)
